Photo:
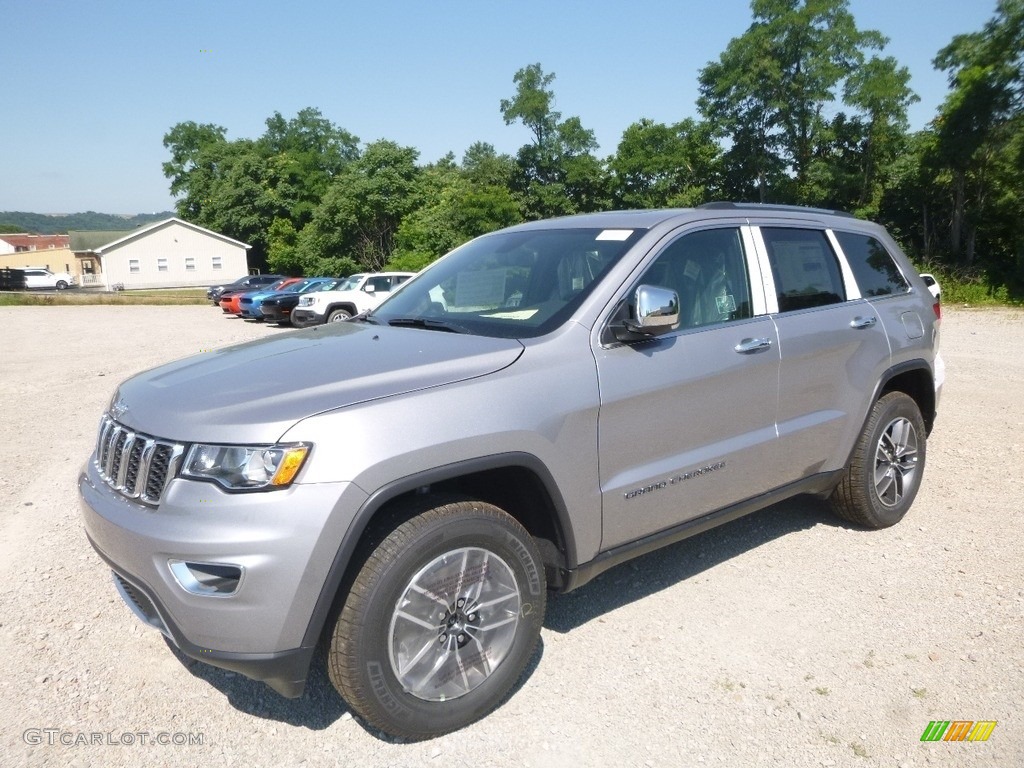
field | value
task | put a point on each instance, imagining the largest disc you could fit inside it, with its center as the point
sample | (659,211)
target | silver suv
(541,404)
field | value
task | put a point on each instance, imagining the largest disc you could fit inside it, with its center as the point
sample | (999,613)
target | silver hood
(254,392)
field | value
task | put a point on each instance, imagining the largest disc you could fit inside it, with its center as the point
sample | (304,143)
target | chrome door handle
(752,345)
(862,322)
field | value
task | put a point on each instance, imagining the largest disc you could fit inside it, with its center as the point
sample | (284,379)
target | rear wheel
(884,473)
(440,621)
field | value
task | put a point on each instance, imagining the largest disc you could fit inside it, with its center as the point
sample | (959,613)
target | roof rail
(722,206)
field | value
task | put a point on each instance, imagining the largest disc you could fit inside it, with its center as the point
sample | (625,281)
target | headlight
(306,301)
(246,467)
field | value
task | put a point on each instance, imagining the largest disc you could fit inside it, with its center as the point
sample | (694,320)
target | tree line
(801,108)
(59,224)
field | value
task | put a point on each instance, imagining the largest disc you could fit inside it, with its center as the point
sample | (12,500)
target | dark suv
(541,404)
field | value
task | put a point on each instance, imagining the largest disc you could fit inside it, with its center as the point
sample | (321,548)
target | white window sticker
(615,234)
(519,314)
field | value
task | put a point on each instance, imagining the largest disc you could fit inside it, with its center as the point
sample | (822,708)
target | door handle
(862,322)
(752,345)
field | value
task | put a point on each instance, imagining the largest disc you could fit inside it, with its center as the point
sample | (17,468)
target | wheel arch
(914,378)
(348,306)
(518,483)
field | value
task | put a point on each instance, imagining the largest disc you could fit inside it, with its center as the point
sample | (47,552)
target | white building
(168,254)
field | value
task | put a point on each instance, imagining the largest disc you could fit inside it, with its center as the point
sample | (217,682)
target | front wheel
(884,473)
(338,315)
(61,285)
(440,621)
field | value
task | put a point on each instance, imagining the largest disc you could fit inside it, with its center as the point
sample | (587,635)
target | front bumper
(275,314)
(304,317)
(283,542)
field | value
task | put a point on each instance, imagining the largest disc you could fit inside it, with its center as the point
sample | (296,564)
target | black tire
(885,470)
(435,550)
(338,315)
(61,285)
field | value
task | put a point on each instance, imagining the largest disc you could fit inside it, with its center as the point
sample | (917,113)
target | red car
(230,302)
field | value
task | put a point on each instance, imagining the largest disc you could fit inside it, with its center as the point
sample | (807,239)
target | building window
(133,265)
(190,264)
(161,265)
(216,262)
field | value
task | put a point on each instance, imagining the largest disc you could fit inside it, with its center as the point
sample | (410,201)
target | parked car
(538,406)
(933,285)
(360,293)
(249,303)
(277,308)
(40,277)
(231,301)
(247,283)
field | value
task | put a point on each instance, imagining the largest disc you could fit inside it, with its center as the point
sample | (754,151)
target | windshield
(509,284)
(348,284)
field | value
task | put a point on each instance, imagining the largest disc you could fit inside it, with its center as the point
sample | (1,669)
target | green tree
(243,188)
(282,250)
(308,151)
(364,205)
(768,92)
(658,165)
(459,204)
(187,141)
(558,172)
(979,130)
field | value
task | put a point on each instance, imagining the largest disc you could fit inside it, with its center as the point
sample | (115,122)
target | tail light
(937,309)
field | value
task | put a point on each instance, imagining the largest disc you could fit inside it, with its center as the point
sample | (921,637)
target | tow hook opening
(206,579)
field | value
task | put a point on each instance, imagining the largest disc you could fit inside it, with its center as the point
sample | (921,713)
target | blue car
(250,304)
(277,308)
(251,299)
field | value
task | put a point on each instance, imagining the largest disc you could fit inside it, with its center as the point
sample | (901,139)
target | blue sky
(90,88)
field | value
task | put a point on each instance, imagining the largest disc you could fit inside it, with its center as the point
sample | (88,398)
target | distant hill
(59,224)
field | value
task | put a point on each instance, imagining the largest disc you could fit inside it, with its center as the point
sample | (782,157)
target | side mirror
(656,311)
(369,288)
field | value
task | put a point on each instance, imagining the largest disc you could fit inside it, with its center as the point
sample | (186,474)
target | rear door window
(805,268)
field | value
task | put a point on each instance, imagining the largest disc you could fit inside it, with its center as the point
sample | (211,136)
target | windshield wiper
(429,324)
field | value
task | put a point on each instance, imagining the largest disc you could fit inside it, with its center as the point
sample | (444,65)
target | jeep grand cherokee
(539,405)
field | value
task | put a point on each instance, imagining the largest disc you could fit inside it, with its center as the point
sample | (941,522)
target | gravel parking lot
(783,639)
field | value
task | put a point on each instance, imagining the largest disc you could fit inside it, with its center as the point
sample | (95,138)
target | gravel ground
(783,639)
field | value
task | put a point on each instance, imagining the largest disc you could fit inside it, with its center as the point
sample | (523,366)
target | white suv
(359,293)
(40,277)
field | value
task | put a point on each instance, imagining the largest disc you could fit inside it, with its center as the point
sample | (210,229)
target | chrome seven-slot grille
(135,465)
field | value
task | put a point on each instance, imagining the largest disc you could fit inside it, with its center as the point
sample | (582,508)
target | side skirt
(818,485)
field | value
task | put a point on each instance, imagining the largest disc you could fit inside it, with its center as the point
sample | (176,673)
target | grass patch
(919,693)
(858,749)
(962,286)
(182,296)
(822,691)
